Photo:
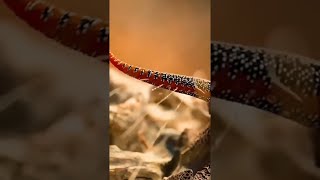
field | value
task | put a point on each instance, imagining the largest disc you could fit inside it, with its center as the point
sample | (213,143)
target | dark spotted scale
(64,20)
(87,35)
(284,84)
(196,87)
(204,174)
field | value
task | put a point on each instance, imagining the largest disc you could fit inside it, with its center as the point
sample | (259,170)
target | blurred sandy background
(163,35)
(288,25)
(53,103)
(56,129)
(259,145)
(170,36)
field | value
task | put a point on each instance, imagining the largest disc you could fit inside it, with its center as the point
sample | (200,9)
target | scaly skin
(192,86)
(246,75)
(283,84)
(203,174)
(87,35)
(279,83)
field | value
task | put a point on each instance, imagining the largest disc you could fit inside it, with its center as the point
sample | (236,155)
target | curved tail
(91,37)
(281,83)
(87,35)
(192,86)
(277,83)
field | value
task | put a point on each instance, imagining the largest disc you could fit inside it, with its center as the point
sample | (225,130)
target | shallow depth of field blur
(53,112)
(169,36)
(258,145)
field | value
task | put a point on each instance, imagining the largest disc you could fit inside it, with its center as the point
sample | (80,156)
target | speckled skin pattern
(281,83)
(204,174)
(192,86)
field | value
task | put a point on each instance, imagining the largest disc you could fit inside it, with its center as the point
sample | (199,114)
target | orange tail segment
(195,87)
(84,34)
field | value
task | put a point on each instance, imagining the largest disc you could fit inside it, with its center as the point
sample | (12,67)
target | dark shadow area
(277,137)
(53,99)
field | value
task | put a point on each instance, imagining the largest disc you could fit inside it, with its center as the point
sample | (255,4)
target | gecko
(280,83)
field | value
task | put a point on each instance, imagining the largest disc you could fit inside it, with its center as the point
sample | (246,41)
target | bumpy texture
(85,34)
(271,81)
(204,174)
(192,86)
(284,84)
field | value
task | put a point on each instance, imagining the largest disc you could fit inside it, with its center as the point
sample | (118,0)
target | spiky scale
(239,73)
(183,84)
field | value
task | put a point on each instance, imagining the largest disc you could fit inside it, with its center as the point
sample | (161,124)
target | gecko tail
(87,35)
(195,87)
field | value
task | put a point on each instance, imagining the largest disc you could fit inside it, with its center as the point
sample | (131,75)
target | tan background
(170,36)
(288,25)
(161,35)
